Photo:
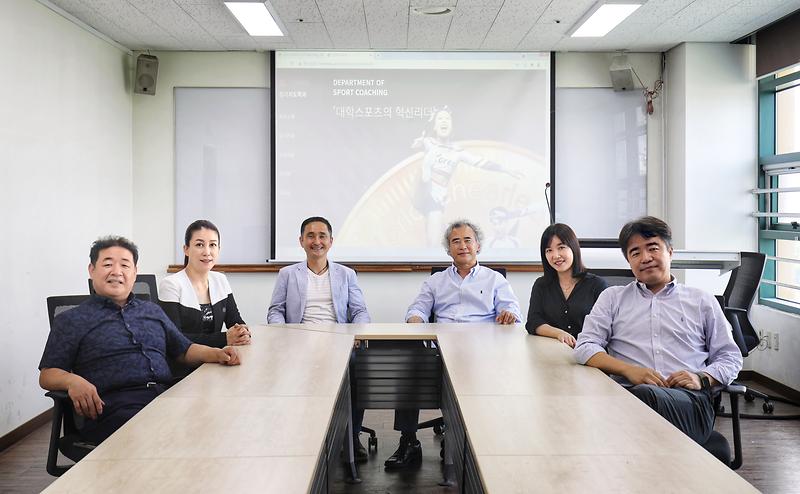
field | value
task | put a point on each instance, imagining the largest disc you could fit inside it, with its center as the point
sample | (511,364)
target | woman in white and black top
(199,300)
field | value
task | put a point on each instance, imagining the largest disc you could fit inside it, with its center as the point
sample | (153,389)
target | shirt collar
(472,272)
(667,288)
(107,302)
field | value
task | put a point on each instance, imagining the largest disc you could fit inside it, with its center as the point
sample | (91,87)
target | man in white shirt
(319,291)
(316,290)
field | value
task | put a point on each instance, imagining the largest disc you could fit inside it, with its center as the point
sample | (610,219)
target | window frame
(769,229)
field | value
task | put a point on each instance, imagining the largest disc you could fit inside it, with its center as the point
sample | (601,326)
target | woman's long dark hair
(567,236)
(196,226)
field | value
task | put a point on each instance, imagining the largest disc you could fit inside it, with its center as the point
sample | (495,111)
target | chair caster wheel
(768,407)
(439,429)
(372,443)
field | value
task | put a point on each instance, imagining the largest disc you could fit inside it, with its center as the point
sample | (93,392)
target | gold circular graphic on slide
(505,199)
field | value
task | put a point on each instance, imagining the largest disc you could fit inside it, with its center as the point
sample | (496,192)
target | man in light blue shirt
(671,342)
(464,292)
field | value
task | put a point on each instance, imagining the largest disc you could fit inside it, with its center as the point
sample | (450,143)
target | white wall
(782,364)
(65,179)
(711,147)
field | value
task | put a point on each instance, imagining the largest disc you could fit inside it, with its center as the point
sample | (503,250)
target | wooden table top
(535,420)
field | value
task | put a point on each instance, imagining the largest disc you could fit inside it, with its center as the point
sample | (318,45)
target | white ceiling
(506,25)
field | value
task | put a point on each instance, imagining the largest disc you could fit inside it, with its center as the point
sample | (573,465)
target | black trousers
(690,411)
(120,406)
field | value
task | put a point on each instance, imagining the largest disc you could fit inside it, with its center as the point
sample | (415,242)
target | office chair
(145,287)
(64,416)
(736,301)
(614,277)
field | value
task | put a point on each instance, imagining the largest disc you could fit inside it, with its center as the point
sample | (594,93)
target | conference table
(532,421)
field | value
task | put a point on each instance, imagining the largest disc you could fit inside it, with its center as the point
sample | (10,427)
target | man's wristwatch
(705,384)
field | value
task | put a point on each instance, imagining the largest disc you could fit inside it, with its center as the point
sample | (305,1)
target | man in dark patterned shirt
(110,353)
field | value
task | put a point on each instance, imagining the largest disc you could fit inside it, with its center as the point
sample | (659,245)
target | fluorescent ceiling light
(602,18)
(254,18)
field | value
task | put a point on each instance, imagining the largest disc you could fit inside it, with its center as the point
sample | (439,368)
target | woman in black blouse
(562,298)
(199,300)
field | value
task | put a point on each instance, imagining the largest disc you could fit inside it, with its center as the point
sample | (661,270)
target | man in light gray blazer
(319,291)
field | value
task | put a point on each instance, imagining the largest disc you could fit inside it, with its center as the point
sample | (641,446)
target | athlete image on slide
(504,229)
(440,162)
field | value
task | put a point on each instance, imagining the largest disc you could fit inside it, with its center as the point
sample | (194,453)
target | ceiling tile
(216,19)
(105,26)
(390,24)
(311,35)
(241,42)
(71,6)
(659,11)
(201,43)
(167,43)
(542,35)
(433,3)
(428,32)
(292,10)
(172,18)
(346,22)
(515,19)
(567,12)
(387,23)
(272,44)
(123,14)
(470,26)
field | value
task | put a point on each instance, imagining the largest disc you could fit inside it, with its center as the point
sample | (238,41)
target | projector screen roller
(390,147)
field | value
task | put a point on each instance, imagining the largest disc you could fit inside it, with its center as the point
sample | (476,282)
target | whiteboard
(222,168)
(600,160)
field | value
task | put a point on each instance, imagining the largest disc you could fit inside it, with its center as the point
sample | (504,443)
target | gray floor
(771,457)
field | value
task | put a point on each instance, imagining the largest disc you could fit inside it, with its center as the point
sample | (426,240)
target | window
(778,189)
(788,271)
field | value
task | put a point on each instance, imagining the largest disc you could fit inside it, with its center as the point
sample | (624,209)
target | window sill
(781,305)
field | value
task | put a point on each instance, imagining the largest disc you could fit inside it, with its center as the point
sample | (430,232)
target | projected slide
(392,146)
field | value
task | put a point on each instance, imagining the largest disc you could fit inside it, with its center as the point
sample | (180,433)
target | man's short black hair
(314,219)
(112,241)
(647,227)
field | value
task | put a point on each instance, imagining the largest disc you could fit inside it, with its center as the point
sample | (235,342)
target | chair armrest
(57,395)
(736,389)
(734,309)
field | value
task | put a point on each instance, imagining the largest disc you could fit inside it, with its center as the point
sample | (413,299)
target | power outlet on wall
(775,341)
(768,337)
(763,340)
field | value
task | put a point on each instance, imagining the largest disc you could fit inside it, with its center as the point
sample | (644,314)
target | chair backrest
(63,415)
(614,277)
(145,287)
(62,303)
(738,297)
(744,281)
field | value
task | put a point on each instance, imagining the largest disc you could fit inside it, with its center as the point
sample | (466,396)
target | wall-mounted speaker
(146,74)
(621,73)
